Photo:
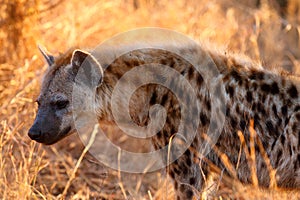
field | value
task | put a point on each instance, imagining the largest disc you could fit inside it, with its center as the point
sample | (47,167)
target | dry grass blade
(224,158)
(150,195)
(29,171)
(272,172)
(250,158)
(119,174)
(252,154)
(85,150)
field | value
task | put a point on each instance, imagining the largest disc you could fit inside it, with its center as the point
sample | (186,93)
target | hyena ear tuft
(49,58)
(86,68)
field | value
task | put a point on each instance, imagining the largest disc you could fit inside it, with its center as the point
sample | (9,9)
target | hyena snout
(38,133)
(34,133)
(48,128)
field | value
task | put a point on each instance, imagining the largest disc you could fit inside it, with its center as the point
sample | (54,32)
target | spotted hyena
(271,100)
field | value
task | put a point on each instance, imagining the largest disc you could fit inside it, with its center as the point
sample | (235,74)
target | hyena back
(271,100)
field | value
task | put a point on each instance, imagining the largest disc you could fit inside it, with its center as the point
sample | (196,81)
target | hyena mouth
(48,139)
(64,133)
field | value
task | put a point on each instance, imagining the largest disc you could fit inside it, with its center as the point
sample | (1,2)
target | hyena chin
(270,100)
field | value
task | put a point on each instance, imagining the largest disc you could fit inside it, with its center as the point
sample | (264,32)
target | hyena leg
(285,154)
(187,175)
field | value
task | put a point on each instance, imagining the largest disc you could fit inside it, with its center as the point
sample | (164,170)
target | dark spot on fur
(274,88)
(159,134)
(243,124)
(270,127)
(199,79)
(249,96)
(153,98)
(297,164)
(173,176)
(118,74)
(260,108)
(189,162)
(187,153)
(240,82)
(176,171)
(183,72)
(192,181)
(164,99)
(189,193)
(299,139)
(279,121)
(256,120)
(164,62)
(297,108)
(286,121)
(172,63)
(236,75)
(257,75)
(204,119)
(208,106)
(273,145)
(226,78)
(278,157)
(175,185)
(230,90)
(182,188)
(233,123)
(173,130)
(292,91)
(274,109)
(284,110)
(247,84)
(290,151)
(227,112)
(254,106)
(190,73)
(136,62)
(254,86)
(128,63)
(265,87)
(184,168)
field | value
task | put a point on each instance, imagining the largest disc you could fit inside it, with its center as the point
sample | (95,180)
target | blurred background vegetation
(267,31)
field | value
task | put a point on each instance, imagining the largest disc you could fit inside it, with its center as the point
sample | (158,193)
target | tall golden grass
(32,171)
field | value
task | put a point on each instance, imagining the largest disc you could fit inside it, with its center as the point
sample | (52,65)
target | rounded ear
(49,58)
(85,64)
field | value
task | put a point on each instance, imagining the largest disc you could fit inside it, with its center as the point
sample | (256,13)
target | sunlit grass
(32,171)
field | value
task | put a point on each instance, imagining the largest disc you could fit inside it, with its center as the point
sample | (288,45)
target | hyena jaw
(270,99)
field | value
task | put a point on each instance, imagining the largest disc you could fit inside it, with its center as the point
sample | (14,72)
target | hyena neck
(138,105)
(103,100)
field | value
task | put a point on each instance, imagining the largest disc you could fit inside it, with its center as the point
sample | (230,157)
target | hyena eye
(61,104)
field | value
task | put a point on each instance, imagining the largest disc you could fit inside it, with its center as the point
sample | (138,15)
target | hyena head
(54,119)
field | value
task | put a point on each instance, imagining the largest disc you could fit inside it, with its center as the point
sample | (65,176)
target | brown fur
(270,99)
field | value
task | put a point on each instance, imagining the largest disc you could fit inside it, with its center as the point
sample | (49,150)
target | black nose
(34,134)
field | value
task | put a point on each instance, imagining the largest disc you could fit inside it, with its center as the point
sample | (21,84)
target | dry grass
(32,171)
